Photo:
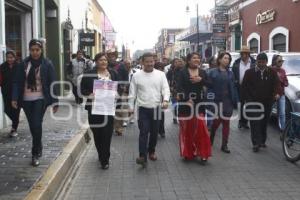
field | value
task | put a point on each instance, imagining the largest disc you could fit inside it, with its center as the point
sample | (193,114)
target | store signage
(221,9)
(219,28)
(221,17)
(234,13)
(265,17)
(219,41)
(110,36)
(87,39)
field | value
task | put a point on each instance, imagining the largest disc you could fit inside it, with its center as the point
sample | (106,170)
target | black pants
(243,120)
(259,127)
(12,113)
(78,99)
(34,111)
(161,129)
(102,128)
(148,122)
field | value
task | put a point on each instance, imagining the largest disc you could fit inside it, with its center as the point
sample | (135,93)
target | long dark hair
(10,52)
(35,64)
(274,59)
(189,58)
(221,56)
(13,54)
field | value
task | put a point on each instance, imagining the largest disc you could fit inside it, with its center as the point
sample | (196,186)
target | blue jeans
(281,112)
(34,111)
(148,122)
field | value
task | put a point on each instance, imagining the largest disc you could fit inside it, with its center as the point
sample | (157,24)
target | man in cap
(259,92)
(112,55)
(239,68)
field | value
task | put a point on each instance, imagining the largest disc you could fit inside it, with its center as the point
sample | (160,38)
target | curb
(51,181)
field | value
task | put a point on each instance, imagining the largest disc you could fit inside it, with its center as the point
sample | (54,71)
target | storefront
(18,29)
(22,20)
(272,26)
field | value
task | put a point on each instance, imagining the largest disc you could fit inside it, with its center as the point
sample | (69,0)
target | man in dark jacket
(259,89)
(172,76)
(124,76)
(239,68)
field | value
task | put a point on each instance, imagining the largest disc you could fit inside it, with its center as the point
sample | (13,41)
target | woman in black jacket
(32,91)
(101,125)
(193,136)
(7,71)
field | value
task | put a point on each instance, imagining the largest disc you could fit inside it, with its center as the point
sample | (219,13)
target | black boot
(35,161)
(224,147)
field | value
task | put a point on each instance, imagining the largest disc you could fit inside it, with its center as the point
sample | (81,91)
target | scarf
(31,78)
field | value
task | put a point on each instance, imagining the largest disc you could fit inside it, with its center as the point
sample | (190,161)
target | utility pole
(198,34)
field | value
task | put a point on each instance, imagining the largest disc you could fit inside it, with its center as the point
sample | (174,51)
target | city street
(241,175)
(71,71)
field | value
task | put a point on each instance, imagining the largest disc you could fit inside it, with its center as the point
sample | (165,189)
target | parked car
(234,57)
(292,92)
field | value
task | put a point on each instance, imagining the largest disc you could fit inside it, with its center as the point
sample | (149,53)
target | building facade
(166,41)
(85,27)
(261,24)
(22,20)
(272,26)
(189,38)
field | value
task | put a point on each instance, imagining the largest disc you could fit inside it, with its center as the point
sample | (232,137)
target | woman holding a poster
(100,87)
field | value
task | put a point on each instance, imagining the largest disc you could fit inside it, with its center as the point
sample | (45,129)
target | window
(279,42)
(14,34)
(253,43)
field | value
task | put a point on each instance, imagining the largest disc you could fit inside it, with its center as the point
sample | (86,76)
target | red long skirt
(194,139)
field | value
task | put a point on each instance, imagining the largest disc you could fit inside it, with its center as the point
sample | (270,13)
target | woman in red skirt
(193,137)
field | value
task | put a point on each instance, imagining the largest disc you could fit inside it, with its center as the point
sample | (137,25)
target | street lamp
(197,26)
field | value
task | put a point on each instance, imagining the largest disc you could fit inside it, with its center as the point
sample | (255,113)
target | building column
(54,40)
(3,122)
(35,19)
(26,32)
(2,30)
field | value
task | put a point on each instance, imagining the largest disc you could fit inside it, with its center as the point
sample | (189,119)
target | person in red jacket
(277,62)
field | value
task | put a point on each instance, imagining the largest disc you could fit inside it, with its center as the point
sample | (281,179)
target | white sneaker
(124,124)
(13,134)
(132,121)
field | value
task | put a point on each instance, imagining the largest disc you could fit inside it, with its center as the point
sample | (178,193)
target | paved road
(17,176)
(241,175)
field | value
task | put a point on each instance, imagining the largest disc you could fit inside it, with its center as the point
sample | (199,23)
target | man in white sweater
(149,88)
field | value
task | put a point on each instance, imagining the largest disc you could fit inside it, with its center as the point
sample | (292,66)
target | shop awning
(193,38)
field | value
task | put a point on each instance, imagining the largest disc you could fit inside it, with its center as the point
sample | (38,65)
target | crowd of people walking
(201,99)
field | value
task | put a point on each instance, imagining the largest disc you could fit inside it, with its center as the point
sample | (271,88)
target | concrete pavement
(16,174)
(241,175)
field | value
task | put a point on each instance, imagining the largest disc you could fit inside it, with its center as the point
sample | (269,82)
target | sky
(138,22)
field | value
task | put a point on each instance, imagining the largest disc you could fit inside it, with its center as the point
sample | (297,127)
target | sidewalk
(241,175)
(16,174)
